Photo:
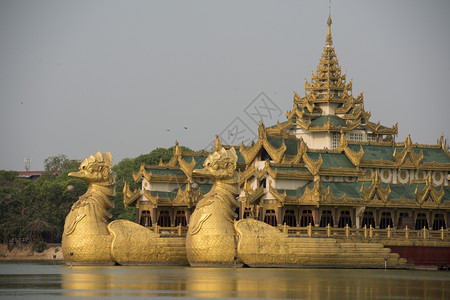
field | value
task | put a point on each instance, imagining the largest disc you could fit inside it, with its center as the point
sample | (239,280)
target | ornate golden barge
(326,188)
(327,171)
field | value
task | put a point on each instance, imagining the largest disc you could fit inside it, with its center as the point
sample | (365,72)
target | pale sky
(77,77)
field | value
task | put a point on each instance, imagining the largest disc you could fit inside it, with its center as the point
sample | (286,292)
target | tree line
(33,211)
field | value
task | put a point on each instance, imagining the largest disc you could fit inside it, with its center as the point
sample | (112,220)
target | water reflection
(22,280)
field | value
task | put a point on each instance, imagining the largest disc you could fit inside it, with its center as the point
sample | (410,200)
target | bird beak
(202,172)
(79,174)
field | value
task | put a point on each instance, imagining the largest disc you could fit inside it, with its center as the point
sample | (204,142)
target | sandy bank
(25,252)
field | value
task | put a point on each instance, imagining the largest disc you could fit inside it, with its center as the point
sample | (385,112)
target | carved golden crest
(89,240)
(210,240)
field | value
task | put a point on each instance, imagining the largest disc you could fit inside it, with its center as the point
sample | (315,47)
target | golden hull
(214,244)
(210,250)
(134,244)
(261,245)
(87,249)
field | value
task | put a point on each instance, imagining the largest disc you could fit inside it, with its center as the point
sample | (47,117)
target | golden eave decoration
(408,152)
(304,102)
(142,173)
(247,173)
(249,153)
(376,127)
(266,170)
(177,158)
(354,157)
(375,191)
(429,193)
(303,124)
(301,149)
(320,196)
(129,197)
(280,197)
(313,165)
(251,195)
(153,199)
(188,196)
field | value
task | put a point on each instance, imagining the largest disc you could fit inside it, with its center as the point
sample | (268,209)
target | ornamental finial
(329,39)
(217,144)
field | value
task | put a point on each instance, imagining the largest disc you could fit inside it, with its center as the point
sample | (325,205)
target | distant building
(30,174)
(328,164)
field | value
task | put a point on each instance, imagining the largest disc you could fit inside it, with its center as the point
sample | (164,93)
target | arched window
(403,220)
(247,213)
(146,218)
(368,219)
(385,220)
(307,218)
(289,218)
(326,218)
(180,218)
(439,222)
(421,221)
(345,219)
(164,219)
(270,217)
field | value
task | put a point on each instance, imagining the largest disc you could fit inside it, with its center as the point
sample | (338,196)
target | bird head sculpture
(221,164)
(95,169)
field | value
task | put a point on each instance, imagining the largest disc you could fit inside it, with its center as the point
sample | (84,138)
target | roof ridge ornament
(329,40)
(329,22)
(217,143)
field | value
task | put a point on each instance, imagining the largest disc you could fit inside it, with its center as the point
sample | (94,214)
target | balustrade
(333,232)
(367,233)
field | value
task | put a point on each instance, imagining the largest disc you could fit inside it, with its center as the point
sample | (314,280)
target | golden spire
(217,144)
(329,41)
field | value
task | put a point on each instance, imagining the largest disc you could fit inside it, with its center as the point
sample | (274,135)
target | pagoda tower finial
(217,144)
(329,41)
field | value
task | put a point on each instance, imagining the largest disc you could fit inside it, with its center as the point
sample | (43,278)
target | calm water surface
(34,280)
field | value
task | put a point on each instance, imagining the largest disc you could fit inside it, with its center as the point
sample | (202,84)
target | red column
(137,215)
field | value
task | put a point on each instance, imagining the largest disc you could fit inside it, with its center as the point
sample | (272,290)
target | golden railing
(334,232)
(368,233)
(169,231)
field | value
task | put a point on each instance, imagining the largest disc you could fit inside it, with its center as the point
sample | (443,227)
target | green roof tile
(332,160)
(434,155)
(353,190)
(339,189)
(289,169)
(156,171)
(241,159)
(164,195)
(320,121)
(199,160)
(405,190)
(375,152)
(291,144)
(446,197)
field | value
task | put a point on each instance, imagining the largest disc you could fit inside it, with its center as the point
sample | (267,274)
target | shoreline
(25,252)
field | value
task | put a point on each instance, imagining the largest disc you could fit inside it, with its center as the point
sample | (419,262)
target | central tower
(328,108)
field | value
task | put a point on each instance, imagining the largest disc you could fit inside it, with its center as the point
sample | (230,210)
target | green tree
(59,163)
(37,209)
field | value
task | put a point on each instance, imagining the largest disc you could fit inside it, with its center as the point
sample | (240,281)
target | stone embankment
(25,252)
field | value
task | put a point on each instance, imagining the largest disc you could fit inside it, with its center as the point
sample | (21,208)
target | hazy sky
(128,76)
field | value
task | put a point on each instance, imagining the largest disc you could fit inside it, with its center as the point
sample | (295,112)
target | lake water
(37,280)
